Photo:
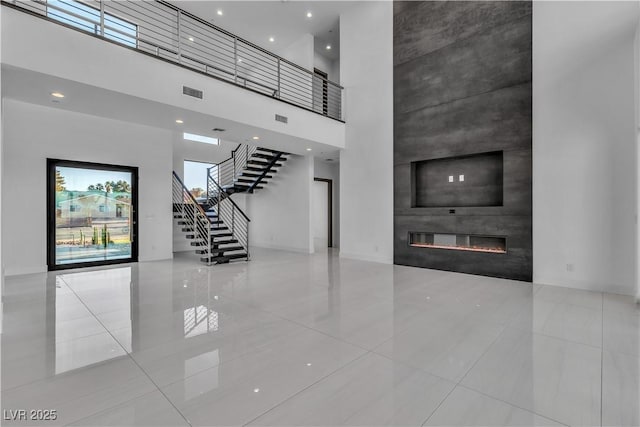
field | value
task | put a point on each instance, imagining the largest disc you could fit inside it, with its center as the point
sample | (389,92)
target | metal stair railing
(241,158)
(192,214)
(228,212)
(165,31)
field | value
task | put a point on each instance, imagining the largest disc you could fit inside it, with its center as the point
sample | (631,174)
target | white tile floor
(291,339)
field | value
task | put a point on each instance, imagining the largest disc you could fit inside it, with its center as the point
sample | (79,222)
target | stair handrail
(191,211)
(228,212)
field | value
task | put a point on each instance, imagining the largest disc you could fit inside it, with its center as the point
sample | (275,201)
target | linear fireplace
(459,242)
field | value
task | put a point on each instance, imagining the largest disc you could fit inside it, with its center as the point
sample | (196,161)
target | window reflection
(80,338)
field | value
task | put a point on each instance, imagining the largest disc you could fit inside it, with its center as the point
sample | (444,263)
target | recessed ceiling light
(256,390)
(308,149)
(57,95)
(179,121)
(191,39)
(219,12)
(309,14)
(272,39)
(328,47)
(256,138)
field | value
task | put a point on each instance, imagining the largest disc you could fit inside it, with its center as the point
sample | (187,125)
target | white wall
(323,63)
(32,133)
(331,171)
(636,93)
(636,64)
(366,166)
(280,213)
(1,172)
(198,152)
(300,52)
(584,171)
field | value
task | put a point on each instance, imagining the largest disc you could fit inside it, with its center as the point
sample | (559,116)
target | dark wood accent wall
(462,86)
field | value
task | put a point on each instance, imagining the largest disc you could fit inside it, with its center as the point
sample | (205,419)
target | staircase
(217,227)
(248,169)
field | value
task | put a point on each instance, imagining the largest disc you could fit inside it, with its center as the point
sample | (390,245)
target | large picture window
(91,214)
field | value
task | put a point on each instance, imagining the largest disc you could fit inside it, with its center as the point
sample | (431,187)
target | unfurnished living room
(319,213)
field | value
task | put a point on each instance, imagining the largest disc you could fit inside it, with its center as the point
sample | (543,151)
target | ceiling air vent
(218,130)
(189,91)
(282,119)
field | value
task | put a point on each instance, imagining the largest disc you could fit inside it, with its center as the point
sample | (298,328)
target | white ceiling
(568,34)
(286,21)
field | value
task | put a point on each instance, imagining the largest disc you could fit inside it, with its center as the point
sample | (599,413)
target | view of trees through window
(93,214)
(195,178)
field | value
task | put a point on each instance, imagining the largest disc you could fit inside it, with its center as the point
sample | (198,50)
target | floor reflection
(94,344)
(292,339)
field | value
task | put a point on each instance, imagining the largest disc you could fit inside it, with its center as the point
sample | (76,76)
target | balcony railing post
(235,60)
(102,17)
(179,36)
(278,78)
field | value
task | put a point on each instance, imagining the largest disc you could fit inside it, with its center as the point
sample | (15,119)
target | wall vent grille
(282,119)
(189,91)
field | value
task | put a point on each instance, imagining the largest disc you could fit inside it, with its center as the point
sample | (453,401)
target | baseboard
(585,286)
(362,257)
(280,248)
(160,258)
(30,270)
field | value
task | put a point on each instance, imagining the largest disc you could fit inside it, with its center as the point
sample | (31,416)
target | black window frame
(51,212)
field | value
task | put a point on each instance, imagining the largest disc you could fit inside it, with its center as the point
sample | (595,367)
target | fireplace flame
(494,250)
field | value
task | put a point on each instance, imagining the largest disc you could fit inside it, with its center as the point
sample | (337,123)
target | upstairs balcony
(168,33)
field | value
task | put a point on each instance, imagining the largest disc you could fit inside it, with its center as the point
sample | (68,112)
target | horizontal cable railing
(168,32)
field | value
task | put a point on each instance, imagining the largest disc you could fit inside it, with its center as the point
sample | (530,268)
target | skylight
(200,138)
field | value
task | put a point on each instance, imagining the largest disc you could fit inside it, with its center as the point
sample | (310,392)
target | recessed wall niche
(461,181)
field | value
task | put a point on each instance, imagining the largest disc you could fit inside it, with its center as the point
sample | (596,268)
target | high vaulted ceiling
(285,21)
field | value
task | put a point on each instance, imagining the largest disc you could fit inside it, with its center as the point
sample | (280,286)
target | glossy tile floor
(291,339)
